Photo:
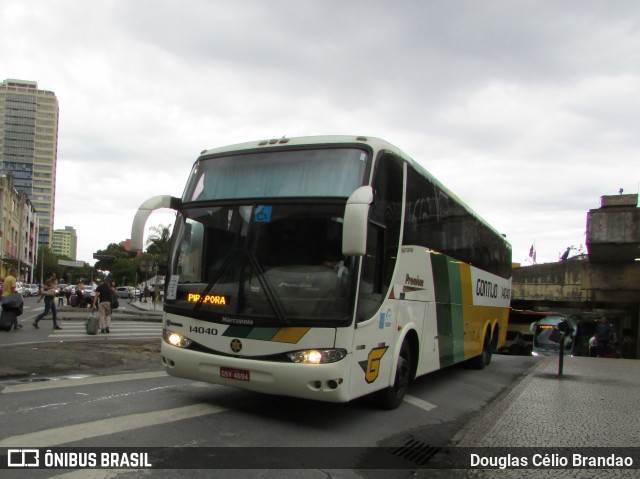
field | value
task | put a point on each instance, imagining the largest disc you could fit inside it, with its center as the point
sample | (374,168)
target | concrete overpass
(606,281)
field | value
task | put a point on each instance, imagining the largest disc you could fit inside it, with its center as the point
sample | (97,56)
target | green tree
(127,269)
(158,244)
(118,262)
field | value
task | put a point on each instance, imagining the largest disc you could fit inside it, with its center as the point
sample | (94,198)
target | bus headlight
(176,339)
(317,356)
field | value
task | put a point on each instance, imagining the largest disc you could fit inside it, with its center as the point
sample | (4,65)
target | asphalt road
(174,416)
(132,344)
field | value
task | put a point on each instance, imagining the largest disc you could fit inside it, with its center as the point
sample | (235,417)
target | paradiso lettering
(214,299)
(416,282)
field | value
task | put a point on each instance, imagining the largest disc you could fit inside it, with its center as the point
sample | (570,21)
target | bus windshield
(323,172)
(261,261)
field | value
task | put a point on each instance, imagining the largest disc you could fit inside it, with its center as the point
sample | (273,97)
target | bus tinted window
(277,174)
(436,220)
(384,234)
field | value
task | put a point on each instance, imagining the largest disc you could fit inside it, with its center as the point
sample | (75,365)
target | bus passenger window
(370,297)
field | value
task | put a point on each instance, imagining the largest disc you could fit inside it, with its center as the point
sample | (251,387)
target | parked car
(89,292)
(71,288)
(22,289)
(126,292)
(34,289)
(514,343)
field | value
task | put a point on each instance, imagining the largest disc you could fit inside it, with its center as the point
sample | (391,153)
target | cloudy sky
(528,110)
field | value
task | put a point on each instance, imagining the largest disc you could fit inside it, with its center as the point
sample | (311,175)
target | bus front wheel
(392,397)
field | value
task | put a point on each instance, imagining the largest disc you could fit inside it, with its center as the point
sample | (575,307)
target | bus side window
(383,236)
(375,258)
(370,297)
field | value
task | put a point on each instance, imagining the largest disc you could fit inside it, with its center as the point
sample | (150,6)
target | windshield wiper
(272,298)
(215,279)
(257,268)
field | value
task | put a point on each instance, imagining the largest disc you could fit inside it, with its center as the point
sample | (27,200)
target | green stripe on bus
(457,317)
(238,331)
(450,312)
(263,334)
(443,309)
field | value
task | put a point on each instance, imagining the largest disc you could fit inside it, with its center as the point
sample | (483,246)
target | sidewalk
(142,306)
(30,351)
(545,410)
(594,404)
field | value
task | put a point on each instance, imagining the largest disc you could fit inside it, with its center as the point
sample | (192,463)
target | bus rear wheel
(484,358)
(392,397)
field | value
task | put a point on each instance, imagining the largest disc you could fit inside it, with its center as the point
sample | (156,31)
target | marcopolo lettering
(486,289)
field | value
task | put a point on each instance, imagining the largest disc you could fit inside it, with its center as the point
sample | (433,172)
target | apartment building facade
(29,146)
(65,242)
(18,231)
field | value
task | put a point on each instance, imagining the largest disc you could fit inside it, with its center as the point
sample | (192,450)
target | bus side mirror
(532,327)
(564,327)
(356,218)
(145,209)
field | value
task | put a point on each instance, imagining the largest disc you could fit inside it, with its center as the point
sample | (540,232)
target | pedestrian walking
(10,282)
(9,289)
(103,296)
(61,298)
(604,335)
(49,295)
(79,301)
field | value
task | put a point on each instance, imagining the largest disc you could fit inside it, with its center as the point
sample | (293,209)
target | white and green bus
(326,268)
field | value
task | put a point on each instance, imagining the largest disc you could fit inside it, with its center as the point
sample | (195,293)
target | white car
(89,292)
(22,289)
(125,292)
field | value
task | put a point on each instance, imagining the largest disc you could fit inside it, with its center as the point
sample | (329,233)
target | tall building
(65,242)
(18,231)
(29,146)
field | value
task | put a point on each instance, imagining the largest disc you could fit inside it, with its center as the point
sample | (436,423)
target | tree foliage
(125,268)
(158,244)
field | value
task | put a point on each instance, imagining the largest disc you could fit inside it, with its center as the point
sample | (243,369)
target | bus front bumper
(322,382)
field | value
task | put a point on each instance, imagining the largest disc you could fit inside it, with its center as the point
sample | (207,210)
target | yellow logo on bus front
(214,299)
(373,364)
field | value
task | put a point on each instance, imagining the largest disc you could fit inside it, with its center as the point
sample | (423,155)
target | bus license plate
(232,373)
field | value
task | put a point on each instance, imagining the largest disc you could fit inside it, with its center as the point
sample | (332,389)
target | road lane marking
(93,474)
(103,427)
(122,335)
(82,381)
(427,406)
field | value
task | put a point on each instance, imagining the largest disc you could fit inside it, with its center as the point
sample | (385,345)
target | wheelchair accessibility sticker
(262,214)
